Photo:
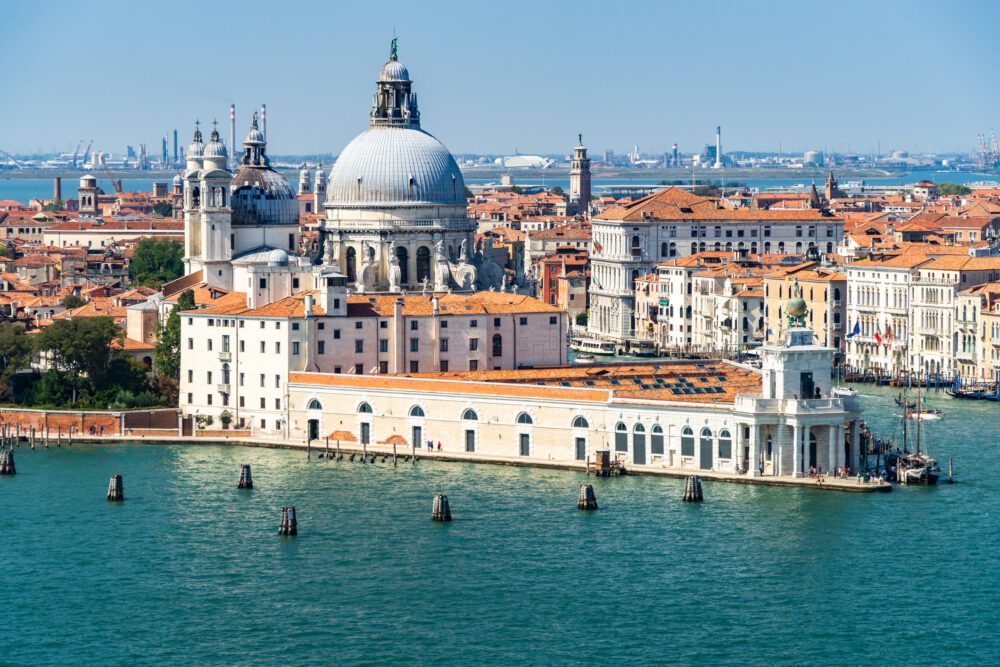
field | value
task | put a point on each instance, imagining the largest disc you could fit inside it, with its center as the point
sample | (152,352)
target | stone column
(856,444)
(778,450)
(754,440)
(832,454)
(796,450)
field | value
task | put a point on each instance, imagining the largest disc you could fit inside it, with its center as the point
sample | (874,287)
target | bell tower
(579,179)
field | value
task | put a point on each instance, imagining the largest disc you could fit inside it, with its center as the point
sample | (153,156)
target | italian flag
(878,334)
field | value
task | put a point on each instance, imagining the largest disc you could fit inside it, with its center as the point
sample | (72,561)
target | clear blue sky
(497,76)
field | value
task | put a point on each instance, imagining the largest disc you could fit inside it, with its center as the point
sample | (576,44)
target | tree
(468,193)
(156,261)
(15,353)
(79,349)
(947,189)
(163,209)
(516,189)
(167,355)
(558,191)
(73,301)
(57,205)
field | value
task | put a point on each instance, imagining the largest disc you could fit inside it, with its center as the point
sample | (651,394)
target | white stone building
(629,240)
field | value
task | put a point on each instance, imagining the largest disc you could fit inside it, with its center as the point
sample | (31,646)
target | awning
(343,436)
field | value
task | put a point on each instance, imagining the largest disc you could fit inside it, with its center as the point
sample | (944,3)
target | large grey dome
(395,166)
(261,196)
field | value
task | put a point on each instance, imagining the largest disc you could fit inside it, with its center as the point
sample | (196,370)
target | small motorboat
(843,392)
(924,414)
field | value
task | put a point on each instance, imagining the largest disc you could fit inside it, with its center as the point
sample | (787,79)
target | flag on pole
(878,334)
(888,332)
(855,331)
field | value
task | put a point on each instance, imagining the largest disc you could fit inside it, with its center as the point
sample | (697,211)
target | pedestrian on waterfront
(439,445)
(102,429)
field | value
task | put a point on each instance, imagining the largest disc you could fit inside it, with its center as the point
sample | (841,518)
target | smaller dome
(254,135)
(178,180)
(87,181)
(215,149)
(196,149)
(394,71)
(277,257)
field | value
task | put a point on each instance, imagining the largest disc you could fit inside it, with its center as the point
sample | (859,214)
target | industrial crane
(117,185)
(86,153)
(11,158)
(76,153)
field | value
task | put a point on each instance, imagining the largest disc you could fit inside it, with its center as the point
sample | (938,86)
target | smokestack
(676,162)
(718,147)
(232,136)
(57,189)
(175,147)
(163,156)
(263,120)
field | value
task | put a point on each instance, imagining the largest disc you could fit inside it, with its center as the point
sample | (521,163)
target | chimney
(436,304)
(57,188)
(718,146)
(307,303)
(232,136)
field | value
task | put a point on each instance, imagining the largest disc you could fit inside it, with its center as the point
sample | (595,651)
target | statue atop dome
(796,308)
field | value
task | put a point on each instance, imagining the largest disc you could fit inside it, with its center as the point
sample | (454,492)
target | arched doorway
(705,450)
(403,257)
(812,449)
(352,265)
(639,445)
(423,263)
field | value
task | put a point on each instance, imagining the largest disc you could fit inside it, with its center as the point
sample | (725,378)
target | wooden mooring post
(116,489)
(246,479)
(289,524)
(692,489)
(7,462)
(441,510)
(951,471)
(327,448)
(393,455)
(587,499)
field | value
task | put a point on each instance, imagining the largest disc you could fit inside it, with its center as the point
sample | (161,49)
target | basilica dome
(260,195)
(388,165)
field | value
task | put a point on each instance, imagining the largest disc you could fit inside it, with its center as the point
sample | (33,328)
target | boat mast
(920,418)
(903,408)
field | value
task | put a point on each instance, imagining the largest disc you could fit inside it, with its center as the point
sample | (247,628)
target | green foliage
(947,189)
(516,189)
(15,349)
(72,301)
(186,300)
(226,418)
(581,319)
(163,209)
(124,399)
(203,421)
(156,261)
(558,191)
(79,350)
(57,205)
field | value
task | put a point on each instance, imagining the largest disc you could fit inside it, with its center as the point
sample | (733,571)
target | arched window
(314,405)
(497,345)
(470,414)
(746,324)
(225,373)
(580,422)
(656,440)
(673,249)
(639,428)
(687,442)
(725,445)
(416,411)
(524,418)
(621,438)
(423,263)
(836,294)
(352,265)
(365,408)
(664,249)
(403,257)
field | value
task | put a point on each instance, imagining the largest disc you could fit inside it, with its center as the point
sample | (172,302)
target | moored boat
(592,346)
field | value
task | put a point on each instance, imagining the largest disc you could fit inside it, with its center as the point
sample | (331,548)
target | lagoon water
(190,570)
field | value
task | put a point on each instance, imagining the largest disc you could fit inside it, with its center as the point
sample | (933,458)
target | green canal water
(190,570)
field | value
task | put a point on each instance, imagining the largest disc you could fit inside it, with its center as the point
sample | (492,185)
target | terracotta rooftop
(678,204)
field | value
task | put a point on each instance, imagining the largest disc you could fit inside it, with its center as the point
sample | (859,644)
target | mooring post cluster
(116,489)
(7,462)
(587,499)
(289,525)
(246,480)
(692,489)
(441,510)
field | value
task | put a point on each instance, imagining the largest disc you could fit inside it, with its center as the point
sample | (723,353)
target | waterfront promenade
(318,447)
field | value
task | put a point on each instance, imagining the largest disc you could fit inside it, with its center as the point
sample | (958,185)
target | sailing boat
(916,468)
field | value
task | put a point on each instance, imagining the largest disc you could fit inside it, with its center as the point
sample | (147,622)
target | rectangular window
(414,367)
(277,381)
(383,345)
(384,324)
(190,343)
(336,334)
(295,283)
(553,319)
(277,347)
(263,283)
(225,399)
(359,346)
(243,344)
(444,344)
(209,344)
(208,374)
(277,404)
(444,324)
(358,325)
(473,324)
(291,241)
(413,325)
(295,347)
(444,365)
(242,401)
(190,397)
(295,326)
(473,344)
(190,375)
(496,321)
(383,367)
(321,326)
(473,364)
(359,369)
(209,399)
(262,379)
(321,347)
(262,405)
(523,321)
(414,345)
(225,343)
(262,344)
(242,378)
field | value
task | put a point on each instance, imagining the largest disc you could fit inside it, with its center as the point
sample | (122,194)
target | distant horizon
(526,77)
